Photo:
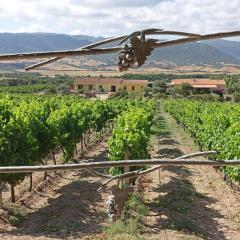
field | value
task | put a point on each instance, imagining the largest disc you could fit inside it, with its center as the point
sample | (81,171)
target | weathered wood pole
(126,169)
(1,198)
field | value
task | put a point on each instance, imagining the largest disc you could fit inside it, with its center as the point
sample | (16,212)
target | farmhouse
(215,85)
(106,85)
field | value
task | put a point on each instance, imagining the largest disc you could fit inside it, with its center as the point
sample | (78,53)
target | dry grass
(75,68)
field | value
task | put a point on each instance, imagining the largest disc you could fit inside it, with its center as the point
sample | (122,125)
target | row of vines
(131,135)
(26,88)
(31,127)
(214,126)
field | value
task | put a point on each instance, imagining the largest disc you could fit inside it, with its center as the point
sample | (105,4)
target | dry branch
(114,39)
(71,53)
(97,51)
(139,173)
(110,40)
(199,38)
(122,163)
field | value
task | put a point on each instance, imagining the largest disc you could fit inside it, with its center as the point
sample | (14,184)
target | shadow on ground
(184,209)
(101,156)
(179,206)
(73,213)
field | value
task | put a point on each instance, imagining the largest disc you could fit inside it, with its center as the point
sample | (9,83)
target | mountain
(33,42)
(212,52)
(230,47)
(197,54)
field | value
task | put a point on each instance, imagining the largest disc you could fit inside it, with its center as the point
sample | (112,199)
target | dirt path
(70,208)
(189,202)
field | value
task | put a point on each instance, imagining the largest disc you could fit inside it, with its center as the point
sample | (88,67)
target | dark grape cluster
(127,59)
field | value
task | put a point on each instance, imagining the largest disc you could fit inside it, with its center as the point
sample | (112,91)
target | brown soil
(189,202)
(184,202)
(66,206)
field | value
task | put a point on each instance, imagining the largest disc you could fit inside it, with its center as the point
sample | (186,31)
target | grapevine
(214,126)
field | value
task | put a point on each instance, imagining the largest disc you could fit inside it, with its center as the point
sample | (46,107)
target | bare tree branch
(90,50)
(138,173)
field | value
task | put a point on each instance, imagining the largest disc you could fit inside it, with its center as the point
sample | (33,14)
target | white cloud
(113,17)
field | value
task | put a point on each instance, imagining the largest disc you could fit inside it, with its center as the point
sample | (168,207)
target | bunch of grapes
(126,59)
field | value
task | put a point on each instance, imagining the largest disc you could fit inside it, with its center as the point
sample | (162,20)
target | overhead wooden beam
(67,53)
(106,164)
(197,38)
(93,45)
(97,51)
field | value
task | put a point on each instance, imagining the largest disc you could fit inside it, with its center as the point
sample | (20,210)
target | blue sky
(114,17)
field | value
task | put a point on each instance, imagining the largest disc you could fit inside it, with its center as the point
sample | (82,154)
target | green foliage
(32,126)
(134,211)
(214,126)
(27,88)
(161,96)
(136,204)
(206,97)
(233,83)
(119,94)
(119,227)
(184,89)
(159,86)
(34,83)
(236,97)
(147,92)
(28,79)
(131,135)
(234,88)
(168,77)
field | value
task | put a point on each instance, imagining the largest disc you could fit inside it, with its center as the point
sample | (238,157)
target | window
(113,88)
(90,87)
(133,88)
(80,86)
(101,88)
(125,88)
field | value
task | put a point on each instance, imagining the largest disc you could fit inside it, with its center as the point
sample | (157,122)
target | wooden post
(159,175)
(84,140)
(13,199)
(126,169)
(88,136)
(31,182)
(53,156)
(45,172)
(1,199)
(81,143)
(76,151)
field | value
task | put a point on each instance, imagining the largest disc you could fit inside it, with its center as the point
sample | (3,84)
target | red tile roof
(198,82)
(109,81)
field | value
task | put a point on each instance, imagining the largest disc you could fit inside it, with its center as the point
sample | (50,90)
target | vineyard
(26,88)
(42,130)
(32,127)
(214,126)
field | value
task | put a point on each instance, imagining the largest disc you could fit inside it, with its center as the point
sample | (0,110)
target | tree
(236,97)
(184,89)
(159,86)
(234,88)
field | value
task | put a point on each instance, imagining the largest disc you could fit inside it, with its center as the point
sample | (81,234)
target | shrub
(119,94)
(236,97)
